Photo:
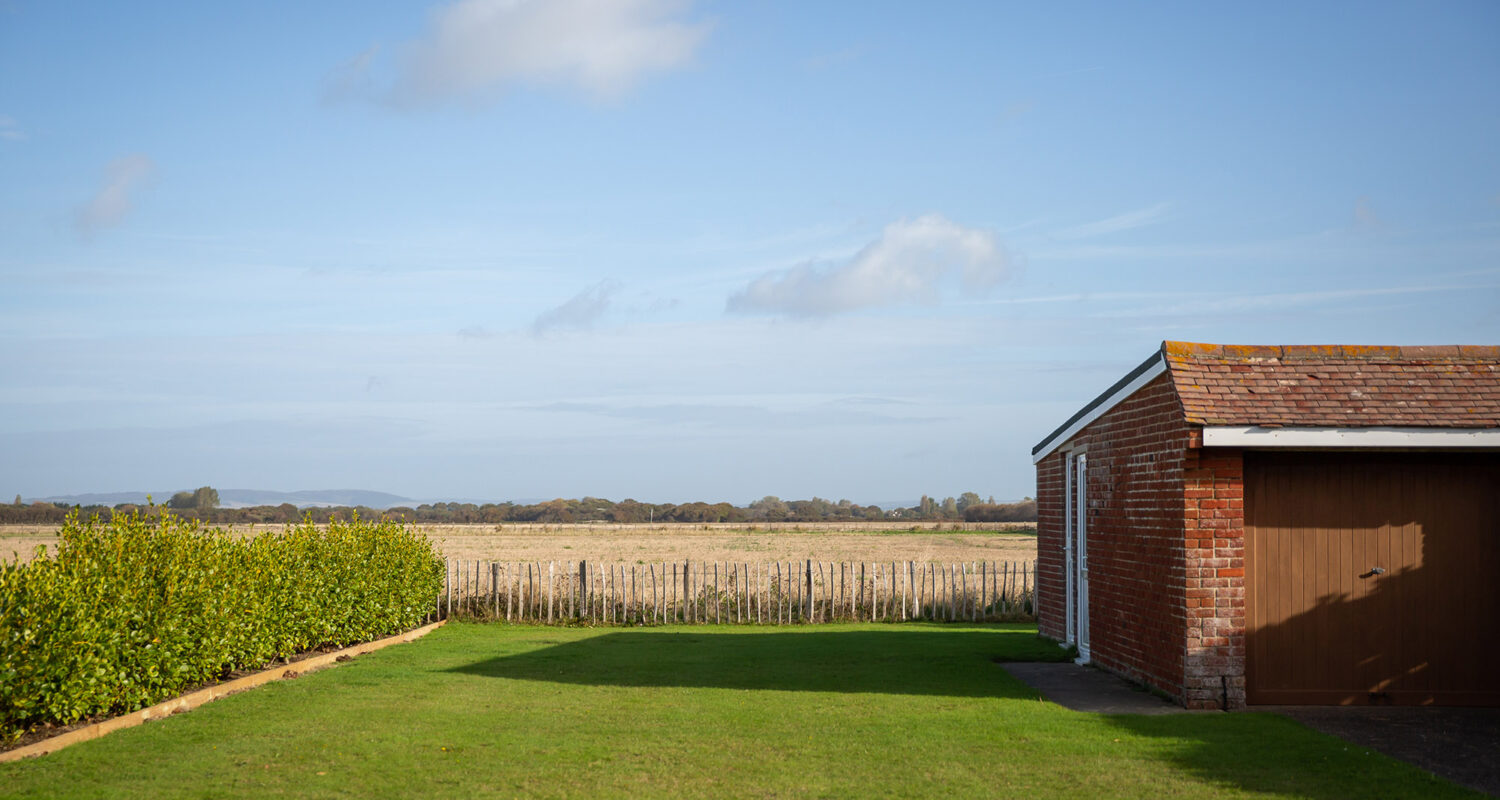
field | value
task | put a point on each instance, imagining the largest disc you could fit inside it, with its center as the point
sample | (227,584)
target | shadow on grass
(957,662)
(1235,752)
(1270,754)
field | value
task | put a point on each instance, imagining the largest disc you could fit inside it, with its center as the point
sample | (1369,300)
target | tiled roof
(1456,386)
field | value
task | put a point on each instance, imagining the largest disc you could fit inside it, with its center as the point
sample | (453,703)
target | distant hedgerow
(130,612)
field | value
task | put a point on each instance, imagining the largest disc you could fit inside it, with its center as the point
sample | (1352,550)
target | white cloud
(112,202)
(907,263)
(579,312)
(1120,222)
(10,130)
(604,47)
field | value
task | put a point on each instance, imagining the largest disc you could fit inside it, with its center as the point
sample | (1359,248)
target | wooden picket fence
(774,592)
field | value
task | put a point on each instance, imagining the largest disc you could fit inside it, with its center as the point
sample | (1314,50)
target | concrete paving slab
(1082,688)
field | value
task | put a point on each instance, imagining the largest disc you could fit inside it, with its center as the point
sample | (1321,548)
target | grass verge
(832,710)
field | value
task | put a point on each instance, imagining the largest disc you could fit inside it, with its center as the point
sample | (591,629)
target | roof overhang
(1257,437)
(1113,396)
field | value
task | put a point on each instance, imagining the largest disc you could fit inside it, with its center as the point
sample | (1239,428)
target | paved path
(1083,688)
(1460,744)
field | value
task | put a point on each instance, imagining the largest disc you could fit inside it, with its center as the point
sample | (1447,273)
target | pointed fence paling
(737,593)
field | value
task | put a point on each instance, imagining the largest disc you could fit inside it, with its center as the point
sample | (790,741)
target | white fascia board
(1255,436)
(1115,398)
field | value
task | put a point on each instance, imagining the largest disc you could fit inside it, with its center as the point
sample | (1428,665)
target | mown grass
(827,711)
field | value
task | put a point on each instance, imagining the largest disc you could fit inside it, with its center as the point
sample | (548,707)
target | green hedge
(133,611)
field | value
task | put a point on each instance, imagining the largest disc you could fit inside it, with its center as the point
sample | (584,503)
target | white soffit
(1145,374)
(1257,436)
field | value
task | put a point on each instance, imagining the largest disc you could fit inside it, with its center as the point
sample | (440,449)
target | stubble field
(832,541)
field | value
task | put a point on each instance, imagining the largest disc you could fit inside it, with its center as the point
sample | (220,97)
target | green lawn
(833,710)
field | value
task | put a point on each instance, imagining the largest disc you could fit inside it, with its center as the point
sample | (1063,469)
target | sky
(675,251)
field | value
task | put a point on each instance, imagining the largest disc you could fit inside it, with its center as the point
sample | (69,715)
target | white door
(1070,604)
(1080,536)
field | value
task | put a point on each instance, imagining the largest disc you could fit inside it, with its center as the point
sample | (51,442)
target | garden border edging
(208,694)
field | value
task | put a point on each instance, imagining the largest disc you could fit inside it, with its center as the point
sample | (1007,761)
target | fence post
(908,607)
(583,588)
(984,587)
(760,604)
(1026,605)
(551,578)
(808,592)
(950,585)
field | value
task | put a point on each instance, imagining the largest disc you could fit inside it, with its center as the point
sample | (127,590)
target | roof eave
(1125,387)
(1326,438)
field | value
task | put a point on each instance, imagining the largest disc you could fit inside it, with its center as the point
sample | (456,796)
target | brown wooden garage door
(1324,626)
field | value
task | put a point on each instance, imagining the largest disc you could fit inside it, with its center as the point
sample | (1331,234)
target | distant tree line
(204,504)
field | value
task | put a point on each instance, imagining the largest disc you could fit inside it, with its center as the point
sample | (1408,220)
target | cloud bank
(10,130)
(578,313)
(906,264)
(112,202)
(604,47)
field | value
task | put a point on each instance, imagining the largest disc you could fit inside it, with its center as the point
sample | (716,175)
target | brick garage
(1301,524)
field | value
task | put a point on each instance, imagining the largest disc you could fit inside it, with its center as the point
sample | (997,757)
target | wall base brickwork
(1214,551)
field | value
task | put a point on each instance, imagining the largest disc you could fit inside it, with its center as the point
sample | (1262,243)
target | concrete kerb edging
(209,694)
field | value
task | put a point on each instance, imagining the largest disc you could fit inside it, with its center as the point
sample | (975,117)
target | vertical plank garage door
(1372,578)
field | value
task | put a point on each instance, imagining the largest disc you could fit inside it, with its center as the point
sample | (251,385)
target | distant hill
(239,498)
(316,497)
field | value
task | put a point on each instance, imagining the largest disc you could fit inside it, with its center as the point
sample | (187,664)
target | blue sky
(679,251)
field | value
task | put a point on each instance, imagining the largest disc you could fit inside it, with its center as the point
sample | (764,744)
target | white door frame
(1081,550)
(1075,552)
(1069,634)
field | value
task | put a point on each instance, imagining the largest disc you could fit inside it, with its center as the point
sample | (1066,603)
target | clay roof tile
(1332,385)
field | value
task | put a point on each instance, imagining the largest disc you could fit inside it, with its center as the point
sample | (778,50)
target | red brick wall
(1137,579)
(1214,535)
(1049,546)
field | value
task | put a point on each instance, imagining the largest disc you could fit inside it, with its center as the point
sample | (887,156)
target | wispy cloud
(10,130)
(833,59)
(113,201)
(907,263)
(738,416)
(580,312)
(1130,220)
(351,80)
(1365,218)
(477,48)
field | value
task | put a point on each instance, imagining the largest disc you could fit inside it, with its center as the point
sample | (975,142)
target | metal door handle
(1373,571)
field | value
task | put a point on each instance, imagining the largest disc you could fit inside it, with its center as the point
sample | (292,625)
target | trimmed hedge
(133,611)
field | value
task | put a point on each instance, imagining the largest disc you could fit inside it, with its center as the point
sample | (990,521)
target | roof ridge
(1250,352)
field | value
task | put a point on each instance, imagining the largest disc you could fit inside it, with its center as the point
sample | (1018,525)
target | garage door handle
(1374,571)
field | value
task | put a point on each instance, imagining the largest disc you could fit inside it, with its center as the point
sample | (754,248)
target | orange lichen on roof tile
(1250,351)
(1370,351)
(1189,348)
(1312,351)
(1337,385)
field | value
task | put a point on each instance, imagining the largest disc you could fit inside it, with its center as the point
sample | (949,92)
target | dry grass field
(946,542)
